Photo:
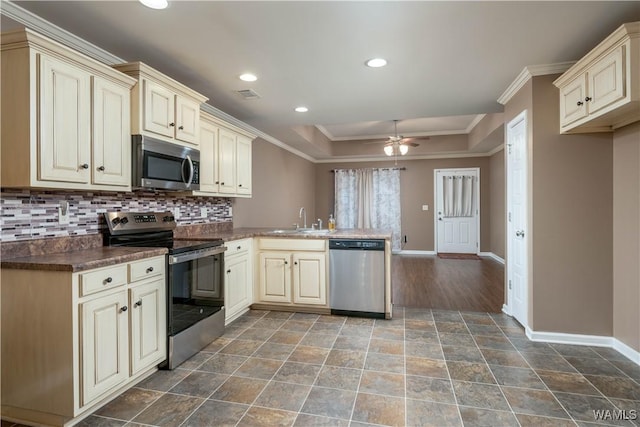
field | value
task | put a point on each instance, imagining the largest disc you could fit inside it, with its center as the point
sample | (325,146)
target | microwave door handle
(190,163)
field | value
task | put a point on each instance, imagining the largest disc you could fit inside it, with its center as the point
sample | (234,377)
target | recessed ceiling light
(248,77)
(376,62)
(302,109)
(155,4)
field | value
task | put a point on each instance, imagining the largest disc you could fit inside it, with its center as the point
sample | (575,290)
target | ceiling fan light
(155,4)
(388,150)
(404,149)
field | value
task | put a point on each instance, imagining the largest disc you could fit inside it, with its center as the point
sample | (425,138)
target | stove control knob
(124,220)
(168,218)
(115,221)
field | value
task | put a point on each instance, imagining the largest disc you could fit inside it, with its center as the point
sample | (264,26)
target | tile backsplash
(31,214)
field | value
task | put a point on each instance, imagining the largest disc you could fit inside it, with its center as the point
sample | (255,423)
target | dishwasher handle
(355,245)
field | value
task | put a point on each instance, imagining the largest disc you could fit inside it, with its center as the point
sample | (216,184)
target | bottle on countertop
(332,223)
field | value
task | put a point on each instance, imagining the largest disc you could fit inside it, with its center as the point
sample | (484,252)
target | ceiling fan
(397,144)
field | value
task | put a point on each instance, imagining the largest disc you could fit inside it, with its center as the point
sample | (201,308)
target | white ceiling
(448,62)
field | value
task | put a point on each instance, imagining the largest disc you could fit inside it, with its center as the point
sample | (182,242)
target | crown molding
(475,122)
(529,72)
(354,159)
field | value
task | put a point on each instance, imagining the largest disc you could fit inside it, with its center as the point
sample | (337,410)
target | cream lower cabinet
(292,272)
(71,341)
(238,294)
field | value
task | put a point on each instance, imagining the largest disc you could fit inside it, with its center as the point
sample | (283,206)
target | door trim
(435,205)
(508,306)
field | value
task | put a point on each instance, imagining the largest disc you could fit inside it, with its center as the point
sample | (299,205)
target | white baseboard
(506,310)
(408,252)
(492,255)
(590,340)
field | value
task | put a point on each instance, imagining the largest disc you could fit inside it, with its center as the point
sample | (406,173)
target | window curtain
(369,198)
(458,196)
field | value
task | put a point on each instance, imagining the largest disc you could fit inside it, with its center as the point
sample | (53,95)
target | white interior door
(517,251)
(457,234)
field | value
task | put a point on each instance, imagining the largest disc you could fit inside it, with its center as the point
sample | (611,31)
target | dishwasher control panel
(370,245)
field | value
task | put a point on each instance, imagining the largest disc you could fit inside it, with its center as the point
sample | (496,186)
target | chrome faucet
(303,212)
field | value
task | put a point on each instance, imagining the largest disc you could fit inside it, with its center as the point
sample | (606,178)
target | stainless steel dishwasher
(356,273)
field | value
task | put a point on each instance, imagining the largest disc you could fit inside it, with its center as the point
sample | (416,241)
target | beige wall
(416,190)
(626,235)
(282,183)
(572,221)
(497,204)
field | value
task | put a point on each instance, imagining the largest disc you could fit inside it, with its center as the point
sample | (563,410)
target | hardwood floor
(427,281)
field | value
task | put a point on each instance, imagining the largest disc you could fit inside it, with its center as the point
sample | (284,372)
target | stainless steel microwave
(158,164)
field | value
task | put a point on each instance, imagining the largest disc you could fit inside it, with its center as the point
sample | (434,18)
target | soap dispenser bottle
(331,222)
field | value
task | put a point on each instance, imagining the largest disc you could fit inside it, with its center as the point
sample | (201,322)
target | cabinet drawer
(143,269)
(236,247)
(293,244)
(105,278)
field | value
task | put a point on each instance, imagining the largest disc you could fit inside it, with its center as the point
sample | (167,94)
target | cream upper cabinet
(292,271)
(225,159)
(599,93)
(69,117)
(162,107)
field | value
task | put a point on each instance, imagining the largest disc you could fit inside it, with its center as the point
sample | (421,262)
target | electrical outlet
(63,212)
(230,211)
(425,207)
(203,212)
(176,213)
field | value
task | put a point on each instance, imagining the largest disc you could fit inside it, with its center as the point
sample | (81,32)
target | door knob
(520,233)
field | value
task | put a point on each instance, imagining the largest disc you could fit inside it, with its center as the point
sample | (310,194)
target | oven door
(195,287)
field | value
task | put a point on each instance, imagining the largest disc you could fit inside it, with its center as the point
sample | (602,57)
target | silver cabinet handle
(520,233)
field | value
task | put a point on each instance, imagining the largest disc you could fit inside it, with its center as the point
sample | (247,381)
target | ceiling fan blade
(416,138)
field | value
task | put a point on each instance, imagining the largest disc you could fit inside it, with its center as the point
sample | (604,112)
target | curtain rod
(352,169)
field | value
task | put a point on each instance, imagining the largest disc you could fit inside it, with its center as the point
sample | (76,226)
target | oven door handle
(190,163)
(201,253)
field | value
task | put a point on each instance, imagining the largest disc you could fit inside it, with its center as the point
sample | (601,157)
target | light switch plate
(63,212)
(203,212)
(176,213)
(425,207)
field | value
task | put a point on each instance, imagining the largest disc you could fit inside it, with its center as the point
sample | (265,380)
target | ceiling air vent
(248,94)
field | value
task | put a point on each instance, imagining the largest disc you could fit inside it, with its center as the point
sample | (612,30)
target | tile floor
(423,368)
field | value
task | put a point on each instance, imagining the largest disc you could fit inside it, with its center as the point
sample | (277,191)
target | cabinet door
(111,134)
(148,325)
(606,81)
(309,278)
(243,165)
(159,113)
(238,295)
(105,345)
(572,101)
(227,161)
(187,120)
(275,277)
(65,138)
(209,158)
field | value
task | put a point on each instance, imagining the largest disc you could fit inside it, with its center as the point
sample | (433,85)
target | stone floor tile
(567,382)
(256,334)
(265,417)
(504,358)
(422,349)
(196,360)
(473,372)
(271,324)
(575,350)
(582,407)
(420,325)
(255,367)
(388,334)
(631,409)
(433,389)
(306,420)
(286,337)
(485,330)
(325,328)
(417,336)
(362,321)
(283,315)
(285,396)
(533,402)
(432,414)
(452,327)
(384,383)
(222,363)
(296,325)
(384,362)
(163,380)
(517,377)
(616,387)
(307,354)
(91,421)
(426,367)
(628,367)
(351,343)
(523,344)
(474,417)
(361,331)
(129,404)
(494,342)
(305,317)
(417,313)
(459,340)
(346,358)
(199,384)
(548,362)
(169,410)
(270,350)
(382,410)
(318,340)
(341,378)
(446,316)
(326,318)
(593,366)
(298,373)
(485,396)
(216,413)
(538,421)
(239,390)
(216,345)
(462,354)
(386,346)
(478,318)
(329,402)
(240,347)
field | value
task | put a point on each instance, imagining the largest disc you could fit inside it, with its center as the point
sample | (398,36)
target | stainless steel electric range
(195,279)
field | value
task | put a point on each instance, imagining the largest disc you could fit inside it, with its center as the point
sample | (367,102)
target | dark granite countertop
(81,260)
(244,233)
